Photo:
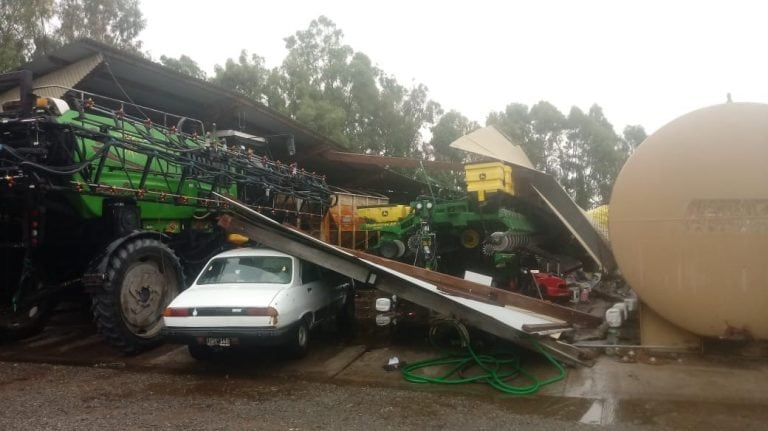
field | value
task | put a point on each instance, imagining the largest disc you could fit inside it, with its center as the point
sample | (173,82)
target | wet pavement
(676,392)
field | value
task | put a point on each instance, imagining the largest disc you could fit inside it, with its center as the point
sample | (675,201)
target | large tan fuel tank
(689,221)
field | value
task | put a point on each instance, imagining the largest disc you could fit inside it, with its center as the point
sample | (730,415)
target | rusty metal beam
(438,303)
(264,235)
(400,162)
(471,290)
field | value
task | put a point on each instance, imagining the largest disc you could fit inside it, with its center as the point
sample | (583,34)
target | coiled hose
(497,371)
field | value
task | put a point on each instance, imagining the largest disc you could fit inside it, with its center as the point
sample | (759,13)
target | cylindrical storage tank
(689,220)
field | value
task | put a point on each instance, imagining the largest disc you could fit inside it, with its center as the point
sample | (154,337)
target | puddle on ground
(691,415)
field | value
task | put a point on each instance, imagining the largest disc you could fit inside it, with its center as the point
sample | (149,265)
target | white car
(256,296)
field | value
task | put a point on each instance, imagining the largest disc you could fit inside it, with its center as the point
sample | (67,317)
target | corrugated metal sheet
(68,77)
(490,142)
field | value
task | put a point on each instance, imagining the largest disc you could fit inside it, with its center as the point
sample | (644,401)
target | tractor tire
(143,275)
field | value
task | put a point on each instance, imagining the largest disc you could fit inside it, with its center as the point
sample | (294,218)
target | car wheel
(201,353)
(299,344)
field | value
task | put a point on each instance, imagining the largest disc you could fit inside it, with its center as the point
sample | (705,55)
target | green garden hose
(495,371)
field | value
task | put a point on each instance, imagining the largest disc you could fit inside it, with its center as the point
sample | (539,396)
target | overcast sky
(645,62)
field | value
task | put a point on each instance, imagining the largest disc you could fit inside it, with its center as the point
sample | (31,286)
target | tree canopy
(184,64)
(35,27)
(450,127)
(582,150)
(329,87)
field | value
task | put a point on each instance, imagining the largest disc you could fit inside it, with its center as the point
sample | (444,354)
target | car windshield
(247,269)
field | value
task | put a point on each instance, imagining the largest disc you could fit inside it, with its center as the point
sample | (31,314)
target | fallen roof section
(489,295)
(572,216)
(490,315)
(490,142)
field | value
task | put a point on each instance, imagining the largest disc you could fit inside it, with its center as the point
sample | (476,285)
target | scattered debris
(394,363)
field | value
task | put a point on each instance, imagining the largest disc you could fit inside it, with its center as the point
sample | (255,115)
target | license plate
(218,341)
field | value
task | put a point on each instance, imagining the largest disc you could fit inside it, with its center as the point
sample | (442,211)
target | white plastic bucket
(613,317)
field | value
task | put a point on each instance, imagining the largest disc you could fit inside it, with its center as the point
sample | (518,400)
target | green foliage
(247,75)
(33,27)
(633,136)
(328,87)
(114,22)
(593,157)
(184,64)
(22,31)
(582,151)
(451,126)
(545,136)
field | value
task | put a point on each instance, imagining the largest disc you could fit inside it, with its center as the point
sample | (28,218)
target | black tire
(143,276)
(25,323)
(298,346)
(30,320)
(201,353)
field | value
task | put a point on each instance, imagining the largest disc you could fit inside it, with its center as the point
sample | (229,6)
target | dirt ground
(42,397)
(67,378)
(63,397)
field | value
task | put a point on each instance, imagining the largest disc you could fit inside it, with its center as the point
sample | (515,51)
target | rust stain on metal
(736,334)
(533,328)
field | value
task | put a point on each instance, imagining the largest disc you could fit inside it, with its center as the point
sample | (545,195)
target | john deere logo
(482,176)
(384,213)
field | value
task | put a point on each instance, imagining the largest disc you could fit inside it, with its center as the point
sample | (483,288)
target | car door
(317,297)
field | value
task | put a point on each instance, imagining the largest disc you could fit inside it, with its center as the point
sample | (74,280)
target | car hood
(228,295)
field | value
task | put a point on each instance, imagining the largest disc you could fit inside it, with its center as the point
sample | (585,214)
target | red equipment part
(551,286)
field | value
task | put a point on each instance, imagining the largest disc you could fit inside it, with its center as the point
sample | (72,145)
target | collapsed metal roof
(94,67)
(508,315)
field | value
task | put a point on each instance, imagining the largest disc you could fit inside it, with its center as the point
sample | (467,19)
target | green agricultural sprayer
(116,200)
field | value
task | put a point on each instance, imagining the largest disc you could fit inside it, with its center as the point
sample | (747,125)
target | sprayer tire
(143,275)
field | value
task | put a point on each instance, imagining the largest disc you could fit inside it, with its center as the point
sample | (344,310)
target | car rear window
(248,269)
